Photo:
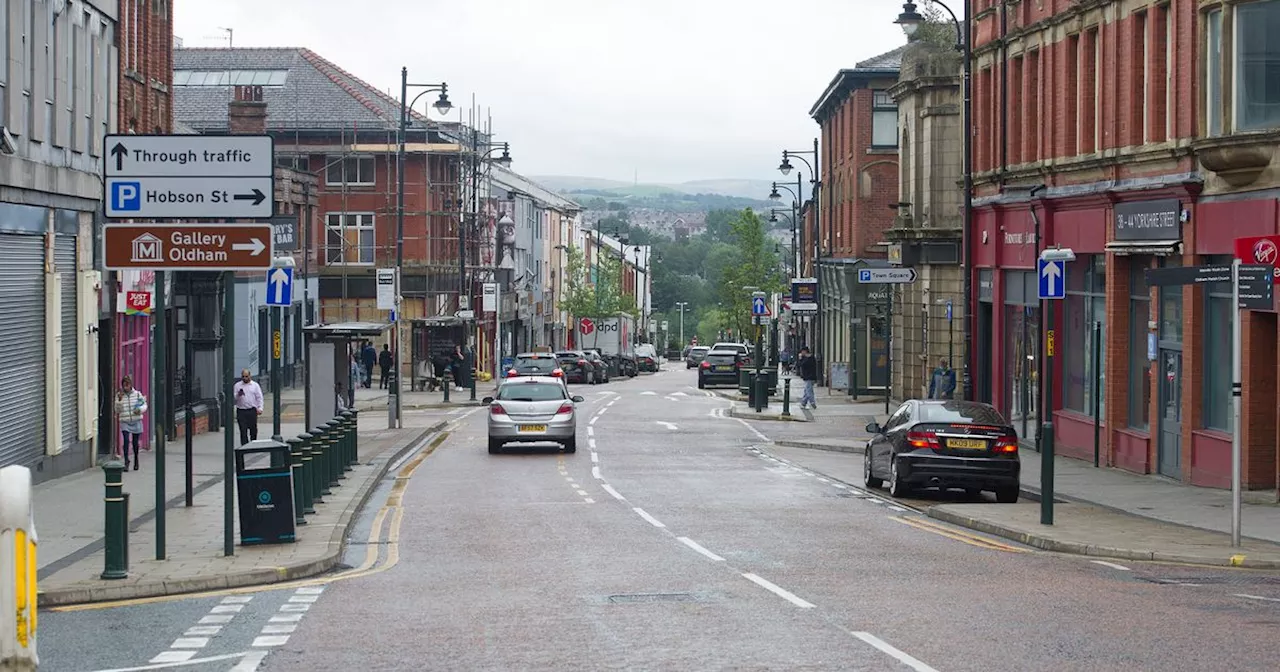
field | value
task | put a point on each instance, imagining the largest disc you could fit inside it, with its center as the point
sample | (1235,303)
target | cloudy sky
(662,90)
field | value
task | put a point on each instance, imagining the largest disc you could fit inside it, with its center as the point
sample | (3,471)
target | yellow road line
(957,535)
(366,568)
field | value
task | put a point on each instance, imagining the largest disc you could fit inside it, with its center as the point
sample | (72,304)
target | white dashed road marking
(669,425)
(697,547)
(902,656)
(1258,597)
(595,473)
(648,518)
(1112,565)
(616,495)
(197,637)
(776,590)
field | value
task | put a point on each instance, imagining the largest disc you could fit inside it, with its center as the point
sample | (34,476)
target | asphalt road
(671,540)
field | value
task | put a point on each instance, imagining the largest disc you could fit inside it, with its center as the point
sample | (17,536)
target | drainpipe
(1004,91)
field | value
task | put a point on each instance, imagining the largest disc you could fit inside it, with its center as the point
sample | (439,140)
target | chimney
(247,114)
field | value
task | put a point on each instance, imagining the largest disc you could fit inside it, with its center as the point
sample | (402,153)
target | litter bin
(265,494)
(744,380)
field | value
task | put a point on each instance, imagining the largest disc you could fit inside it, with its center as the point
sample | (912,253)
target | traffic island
(772,413)
(1083,529)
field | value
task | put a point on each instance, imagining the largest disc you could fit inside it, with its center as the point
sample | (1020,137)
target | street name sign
(1053,278)
(187,247)
(1187,275)
(190,176)
(280,286)
(386,282)
(1257,287)
(886,276)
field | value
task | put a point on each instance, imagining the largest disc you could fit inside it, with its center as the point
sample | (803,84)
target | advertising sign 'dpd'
(1260,250)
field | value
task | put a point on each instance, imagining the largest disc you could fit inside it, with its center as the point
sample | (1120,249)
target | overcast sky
(666,90)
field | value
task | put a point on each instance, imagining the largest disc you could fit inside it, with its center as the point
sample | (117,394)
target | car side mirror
(873,428)
(576,399)
(486,401)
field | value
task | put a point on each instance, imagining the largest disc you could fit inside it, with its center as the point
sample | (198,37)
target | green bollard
(295,462)
(786,396)
(334,427)
(320,447)
(349,447)
(308,472)
(116,556)
(448,383)
(355,437)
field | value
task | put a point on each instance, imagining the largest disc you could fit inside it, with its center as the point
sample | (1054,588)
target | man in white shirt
(248,407)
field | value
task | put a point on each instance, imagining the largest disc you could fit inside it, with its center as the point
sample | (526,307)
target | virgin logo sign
(586,326)
(1263,250)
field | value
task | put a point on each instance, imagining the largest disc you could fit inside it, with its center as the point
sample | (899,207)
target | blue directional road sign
(1053,278)
(280,287)
(948,311)
(758,306)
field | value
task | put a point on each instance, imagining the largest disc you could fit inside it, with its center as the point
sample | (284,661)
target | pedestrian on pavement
(942,383)
(385,361)
(459,364)
(342,402)
(248,406)
(809,374)
(129,408)
(368,357)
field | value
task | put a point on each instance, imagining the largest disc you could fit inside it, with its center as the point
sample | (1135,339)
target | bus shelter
(330,348)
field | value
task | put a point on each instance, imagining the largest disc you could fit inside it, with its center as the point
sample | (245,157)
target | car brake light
(923,440)
(565,408)
(706,365)
(1006,444)
(557,373)
(497,409)
(513,374)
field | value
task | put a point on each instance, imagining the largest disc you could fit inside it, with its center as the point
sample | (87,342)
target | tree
(595,291)
(938,29)
(757,266)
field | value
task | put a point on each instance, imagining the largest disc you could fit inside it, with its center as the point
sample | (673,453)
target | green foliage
(755,265)
(938,28)
(595,291)
(658,198)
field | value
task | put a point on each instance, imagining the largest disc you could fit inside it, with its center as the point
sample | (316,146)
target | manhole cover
(652,597)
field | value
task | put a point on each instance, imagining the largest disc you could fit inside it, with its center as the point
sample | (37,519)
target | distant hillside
(755,190)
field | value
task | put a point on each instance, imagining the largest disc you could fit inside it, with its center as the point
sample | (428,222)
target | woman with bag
(130,407)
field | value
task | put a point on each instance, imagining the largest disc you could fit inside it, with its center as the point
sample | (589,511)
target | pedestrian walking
(248,406)
(130,407)
(942,383)
(808,369)
(385,362)
(369,358)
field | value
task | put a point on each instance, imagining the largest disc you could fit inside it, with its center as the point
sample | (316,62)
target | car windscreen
(718,358)
(569,355)
(699,351)
(531,392)
(961,412)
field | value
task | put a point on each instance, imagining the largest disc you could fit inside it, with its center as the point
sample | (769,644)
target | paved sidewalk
(375,400)
(69,517)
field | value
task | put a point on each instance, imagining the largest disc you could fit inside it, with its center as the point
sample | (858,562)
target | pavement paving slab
(194,542)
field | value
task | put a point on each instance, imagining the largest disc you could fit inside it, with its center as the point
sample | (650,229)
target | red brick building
(859,174)
(1090,131)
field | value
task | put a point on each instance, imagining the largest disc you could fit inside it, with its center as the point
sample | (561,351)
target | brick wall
(144,36)
(860,181)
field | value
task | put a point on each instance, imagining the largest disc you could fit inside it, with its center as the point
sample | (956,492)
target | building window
(1213,73)
(884,121)
(349,238)
(1139,365)
(1257,55)
(1085,305)
(224,78)
(350,171)
(1217,351)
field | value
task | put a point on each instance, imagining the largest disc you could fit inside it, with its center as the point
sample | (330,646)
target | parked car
(720,367)
(535,364)
(533,409)
(944,444)
(578,367)
(740,348)
(695,355)
(602,365)
(646,358)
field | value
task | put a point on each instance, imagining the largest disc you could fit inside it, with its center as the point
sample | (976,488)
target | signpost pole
(1051,271)
(276,347)
(1236,390)
(1097,393)
(888,348)
(228,412)
(188,434)
(159,415)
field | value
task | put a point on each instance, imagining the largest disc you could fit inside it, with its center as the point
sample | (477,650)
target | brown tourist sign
(187,247)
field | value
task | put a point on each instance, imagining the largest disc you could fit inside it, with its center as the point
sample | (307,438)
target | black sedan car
(944,444)
(578,367)
(719,367)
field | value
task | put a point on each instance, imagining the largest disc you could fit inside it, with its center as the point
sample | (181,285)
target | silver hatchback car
(533,409)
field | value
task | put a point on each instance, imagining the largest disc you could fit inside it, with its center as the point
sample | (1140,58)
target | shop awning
(347,330)
(1160,248)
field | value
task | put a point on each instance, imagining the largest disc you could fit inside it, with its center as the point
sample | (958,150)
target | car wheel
(702,385)
(867,477)
(571,446)
(494,446)
(1007,495)
(973,493)
(897,486)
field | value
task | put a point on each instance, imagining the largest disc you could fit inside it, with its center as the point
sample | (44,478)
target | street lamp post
(911,20)
(443,106)
(682,305)
(464,288)
(785,168)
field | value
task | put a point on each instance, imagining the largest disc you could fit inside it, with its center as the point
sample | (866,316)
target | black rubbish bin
(265,494)
(750,376)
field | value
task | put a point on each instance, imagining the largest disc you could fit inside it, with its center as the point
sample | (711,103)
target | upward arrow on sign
(279,284)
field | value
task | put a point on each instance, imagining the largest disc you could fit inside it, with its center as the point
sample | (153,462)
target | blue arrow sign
(280,287)
(758,306)
(1053,279)
(948,311)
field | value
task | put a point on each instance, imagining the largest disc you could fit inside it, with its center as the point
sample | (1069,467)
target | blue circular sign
(264,497)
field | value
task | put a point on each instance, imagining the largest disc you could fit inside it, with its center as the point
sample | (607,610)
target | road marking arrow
(254,247)
(119,152)
(257,197)
(279,280)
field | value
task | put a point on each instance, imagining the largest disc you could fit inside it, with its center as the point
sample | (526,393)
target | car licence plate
(723,368)
(533,428)
(967,444)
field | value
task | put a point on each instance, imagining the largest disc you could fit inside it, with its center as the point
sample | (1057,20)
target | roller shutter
(22,343)
(64,258)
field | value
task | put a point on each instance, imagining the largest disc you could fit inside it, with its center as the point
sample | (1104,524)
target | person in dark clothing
(458,362)
(942,383)
(385,362)
(808,370)
(368,357)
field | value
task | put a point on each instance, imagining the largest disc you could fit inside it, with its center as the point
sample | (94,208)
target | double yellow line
(965,537)
(369,566)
